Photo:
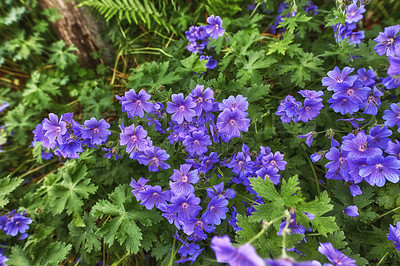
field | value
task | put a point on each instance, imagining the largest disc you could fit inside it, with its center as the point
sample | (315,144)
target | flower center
(181,107)
(185,205)
(184,178)
(196,142)
(379,166)
(96,130)
(232,122)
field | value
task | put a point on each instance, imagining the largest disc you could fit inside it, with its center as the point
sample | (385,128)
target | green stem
(172,254)
(257,235)
(381,260)
(386,213)
(315,175)
(37,168)
(20,166)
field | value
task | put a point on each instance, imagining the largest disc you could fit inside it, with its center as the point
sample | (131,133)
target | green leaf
(62,56)
(84,237)
(53,254)
(69,193)
(291,23)
(18,257)
(123,216)
(193,64)
(19,121)
(8,185)
(265,188)
(325,225)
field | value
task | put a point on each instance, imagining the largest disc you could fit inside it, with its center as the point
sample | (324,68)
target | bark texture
(78,27)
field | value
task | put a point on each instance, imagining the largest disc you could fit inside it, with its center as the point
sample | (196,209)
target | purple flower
(379,136)
(275,160)
(392,116)
(354,13)
(367,76)
(155,157)
(55,128)
(186,206)
(394,68)
(293,226)
(16,223)
(214,27)
(394,235)
(310,110)
(135,104)
(356,92)
(393,148)
(110,153)
(232,122)
(271,173)
(338,164)
(181,108)
(334,255)
(3,260)
(208,162)
(204,99)
(97,133)
(379,169)
(133,138)
(359,147)
(315,157)
(216,211)
(239,103)
(188,249)
(69,149)
(196,143)
(336,77)
(351,211)
(139,187)
(373,102)
(312,94)
(219,192)
(3,106)
(288,108)
(310,137)
(242,255)
(154,196)
(355,190)
(344,105)
(184,179)
(387,42)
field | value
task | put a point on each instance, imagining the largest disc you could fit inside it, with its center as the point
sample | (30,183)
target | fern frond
(134,11)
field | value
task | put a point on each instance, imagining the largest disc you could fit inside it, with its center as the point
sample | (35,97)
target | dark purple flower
(133,138)
(214,27)
(154,157)
(181,108)
(231,123)
(242,255)
(208,162)
(185,206)
(271,173)
(111,152)
(379,169)
(373,102)
(216,211)
(275,160)
(135,104)
(334,255)
(351,211)
(196,143)
(293,226)
(336,77)
(69,149)
(379,136)
(97,133)
(387,42)
(184,178)
(154,196)
(394,235)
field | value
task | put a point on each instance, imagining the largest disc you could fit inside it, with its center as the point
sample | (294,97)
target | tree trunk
(78,27)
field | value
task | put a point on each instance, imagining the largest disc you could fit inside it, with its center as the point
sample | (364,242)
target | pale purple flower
(214,27)
(351,211)
(387,42)
(133,138)
(182,109)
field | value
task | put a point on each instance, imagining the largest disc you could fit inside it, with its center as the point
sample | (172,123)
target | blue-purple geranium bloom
(234,103)
(394,235)
(334,255)
(133,138)
(184,178)
(196,143)
(154,196)
(54,128)
(388,42)
(214,27)
(231,123)
(379,169)
(336,77)
(310,110)
(242,255)
(154,157)
(181,108)
(96,132)
(216,211)
(186,206)
(359,147)
(16,223)
(394,67)
(392,116)
(136,104)
(354,13)
(351,211)
(309,137)
(204,99)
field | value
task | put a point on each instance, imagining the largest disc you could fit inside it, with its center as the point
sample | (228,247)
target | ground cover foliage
(271,126)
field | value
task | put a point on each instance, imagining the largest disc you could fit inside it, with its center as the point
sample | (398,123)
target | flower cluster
(198,37)
(292,110)
(360,157)
(285,12)
(68,137)
(353,14)
(14,223)
(353,92)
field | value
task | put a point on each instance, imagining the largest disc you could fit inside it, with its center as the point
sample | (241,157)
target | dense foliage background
(82,210)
